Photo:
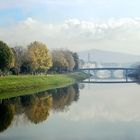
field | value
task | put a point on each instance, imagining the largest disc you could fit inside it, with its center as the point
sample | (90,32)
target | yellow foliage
(39,55)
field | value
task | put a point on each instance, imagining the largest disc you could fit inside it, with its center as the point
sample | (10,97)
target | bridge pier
(126,73)
(95,74)
(111,73)
(89,75)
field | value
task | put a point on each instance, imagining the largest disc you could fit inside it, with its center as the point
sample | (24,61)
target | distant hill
(108,56)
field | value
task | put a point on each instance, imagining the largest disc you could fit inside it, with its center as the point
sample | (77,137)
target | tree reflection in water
(36,107)
(38,110)
(6,116)
(62,98)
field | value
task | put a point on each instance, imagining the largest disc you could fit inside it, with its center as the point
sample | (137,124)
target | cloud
(105,105)
(121,35)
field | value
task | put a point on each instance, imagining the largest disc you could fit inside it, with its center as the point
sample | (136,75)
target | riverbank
(12,86)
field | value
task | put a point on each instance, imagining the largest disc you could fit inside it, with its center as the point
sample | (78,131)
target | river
(78,112)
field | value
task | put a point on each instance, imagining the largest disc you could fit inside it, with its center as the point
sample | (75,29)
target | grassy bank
(11,86)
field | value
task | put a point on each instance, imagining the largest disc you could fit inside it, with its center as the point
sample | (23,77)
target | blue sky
(74,24)
(59,10)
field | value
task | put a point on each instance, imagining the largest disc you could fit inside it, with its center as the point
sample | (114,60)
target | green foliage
(6,56)
(26,67)
(37,59)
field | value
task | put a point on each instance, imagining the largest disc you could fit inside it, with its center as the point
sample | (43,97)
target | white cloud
(114,34)
(105,105)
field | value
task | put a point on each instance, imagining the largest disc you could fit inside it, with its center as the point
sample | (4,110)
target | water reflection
(62,98)
(103,112)
(36,108)
(6,116)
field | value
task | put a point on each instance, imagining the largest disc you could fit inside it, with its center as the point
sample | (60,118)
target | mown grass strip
(11,86)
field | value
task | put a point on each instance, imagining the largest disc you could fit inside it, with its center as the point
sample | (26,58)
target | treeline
(64,61)
(36,58)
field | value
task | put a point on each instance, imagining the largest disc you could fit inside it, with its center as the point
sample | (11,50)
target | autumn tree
(18,52)
(59,61)
(6,56)
(26,63)
(64,60)
(19,57)
(39,55)
(70,60)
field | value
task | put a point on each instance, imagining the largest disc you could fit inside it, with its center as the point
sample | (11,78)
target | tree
(6,56)
(64,60)
(59,61)
(39,55)
(19,57)
(69,57)
(76,60)
(26,67)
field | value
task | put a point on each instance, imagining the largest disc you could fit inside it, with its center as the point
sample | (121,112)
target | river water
(78,112)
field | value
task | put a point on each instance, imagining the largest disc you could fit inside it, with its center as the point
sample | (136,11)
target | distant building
(89,65)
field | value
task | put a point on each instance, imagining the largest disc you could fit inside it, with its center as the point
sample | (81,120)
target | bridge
(112,78)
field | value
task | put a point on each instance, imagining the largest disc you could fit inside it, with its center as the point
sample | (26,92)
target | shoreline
(13,86)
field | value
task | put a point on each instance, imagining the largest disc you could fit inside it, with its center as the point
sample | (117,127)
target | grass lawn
(11,86)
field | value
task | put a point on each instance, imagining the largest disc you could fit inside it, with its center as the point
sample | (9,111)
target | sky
(77,25)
